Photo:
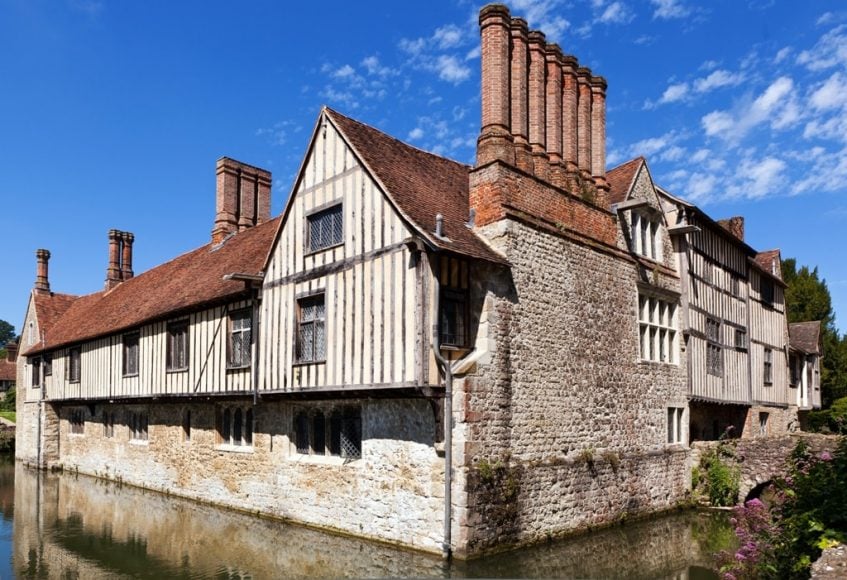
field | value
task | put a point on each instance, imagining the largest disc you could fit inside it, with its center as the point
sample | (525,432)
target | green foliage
(9,401)
(7,332)
(808,514)
(807,298)
(832,420)
(717,478)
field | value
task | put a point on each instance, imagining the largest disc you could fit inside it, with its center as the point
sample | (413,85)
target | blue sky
(112,114)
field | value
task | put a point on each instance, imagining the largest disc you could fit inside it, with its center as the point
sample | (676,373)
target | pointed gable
(805,336)
(621,179)
(420,184)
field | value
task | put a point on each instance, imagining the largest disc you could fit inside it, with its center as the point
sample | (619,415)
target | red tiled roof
(8,370)
(49,308)
(805,336)
(620,179)
(185,283)
(769,262)
(421,184)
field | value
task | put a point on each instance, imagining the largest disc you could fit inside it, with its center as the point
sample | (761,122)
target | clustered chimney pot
(540,111)
(11,351)
(120,258)
(42,279)
(242,199)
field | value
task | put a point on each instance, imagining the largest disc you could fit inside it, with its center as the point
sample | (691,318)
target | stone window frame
(714,347)
(763,423)
(767,366)
(186,425)
(177,346)
(73,368)
(658,333)
(77,422)
(108,424)
(131,346)
(139,427)
(646,235)
(676,425)
(35,372)
(329,434)
(239,330)
(235,428)
(313,325)
(329,219)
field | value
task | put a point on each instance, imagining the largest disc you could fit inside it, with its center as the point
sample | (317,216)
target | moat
(60,525)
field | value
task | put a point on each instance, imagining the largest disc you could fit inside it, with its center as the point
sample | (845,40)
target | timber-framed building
(418,351)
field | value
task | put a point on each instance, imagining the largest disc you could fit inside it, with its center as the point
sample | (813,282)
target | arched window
(248,427)
(237,423)
(226,426)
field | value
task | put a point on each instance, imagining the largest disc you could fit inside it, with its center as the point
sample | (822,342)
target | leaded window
(325,228)
(675,424)
(177,347)
(768,366)
(714,348)
(240,338)
(130,354)
(235,426)
(138,425)
(453,318)
(340,436)
(311,329)
(646,236)
(657,329)
(74,364)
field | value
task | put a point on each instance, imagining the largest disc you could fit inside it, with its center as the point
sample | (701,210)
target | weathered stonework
(393,493)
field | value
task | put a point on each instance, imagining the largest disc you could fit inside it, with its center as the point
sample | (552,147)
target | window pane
(302,434)
(319,434)
(326,228)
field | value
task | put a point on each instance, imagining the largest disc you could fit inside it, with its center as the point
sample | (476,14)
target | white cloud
(616,13)
(831,94)
(451,69)
(674,93)
(448,36)
(782,54)
(758,178)
(718,78)
(415,134)
(777,105)
(829,51)
(345,72)
(709,65)
(543,15)
(668,9)
(373,66)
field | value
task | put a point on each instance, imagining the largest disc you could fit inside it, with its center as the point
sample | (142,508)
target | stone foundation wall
(564,387)
(393,493)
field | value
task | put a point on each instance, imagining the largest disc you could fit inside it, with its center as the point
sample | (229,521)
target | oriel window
(453,317)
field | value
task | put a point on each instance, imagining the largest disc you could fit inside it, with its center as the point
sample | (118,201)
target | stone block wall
(563,427)
(393,493)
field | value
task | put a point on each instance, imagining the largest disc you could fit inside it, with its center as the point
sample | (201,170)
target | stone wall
(762,459)
(393,493)
(563,427)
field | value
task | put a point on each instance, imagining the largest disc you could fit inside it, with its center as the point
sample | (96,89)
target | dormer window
(646,239)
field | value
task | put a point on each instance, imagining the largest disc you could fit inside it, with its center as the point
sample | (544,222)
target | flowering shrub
(807,514)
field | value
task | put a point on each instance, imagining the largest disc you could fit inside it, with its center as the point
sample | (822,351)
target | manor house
(450,357)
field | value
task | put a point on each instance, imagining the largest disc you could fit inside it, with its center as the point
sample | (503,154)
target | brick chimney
(243,197)
(126,255)
(42,280)
(536,99)
(11,351)
(734,225)
(541,151)
(113,271)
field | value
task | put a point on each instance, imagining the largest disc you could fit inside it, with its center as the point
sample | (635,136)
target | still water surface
(68,526)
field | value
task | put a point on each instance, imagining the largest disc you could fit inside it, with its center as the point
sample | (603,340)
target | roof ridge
(400,141)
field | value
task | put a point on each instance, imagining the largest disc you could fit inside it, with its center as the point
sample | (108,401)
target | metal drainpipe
(446,545)
(254,338)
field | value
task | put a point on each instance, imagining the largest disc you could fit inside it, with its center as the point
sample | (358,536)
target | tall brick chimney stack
(495,139)
(113,271)
(541,111)
(42,280)
(734,225)
(126,259)
(243,197)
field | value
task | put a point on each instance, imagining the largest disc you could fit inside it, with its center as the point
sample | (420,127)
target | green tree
(7,333)
(807,298)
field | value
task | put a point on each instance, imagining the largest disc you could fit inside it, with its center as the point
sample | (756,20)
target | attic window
(325,228)
(646,239)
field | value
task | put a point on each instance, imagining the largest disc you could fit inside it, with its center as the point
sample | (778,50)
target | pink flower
(825,456)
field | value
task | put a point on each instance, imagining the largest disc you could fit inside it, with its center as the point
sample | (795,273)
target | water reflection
(68,526)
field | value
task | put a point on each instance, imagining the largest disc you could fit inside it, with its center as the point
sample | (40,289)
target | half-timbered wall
(101,363)
(768,331)
(717,291)
(370,283)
